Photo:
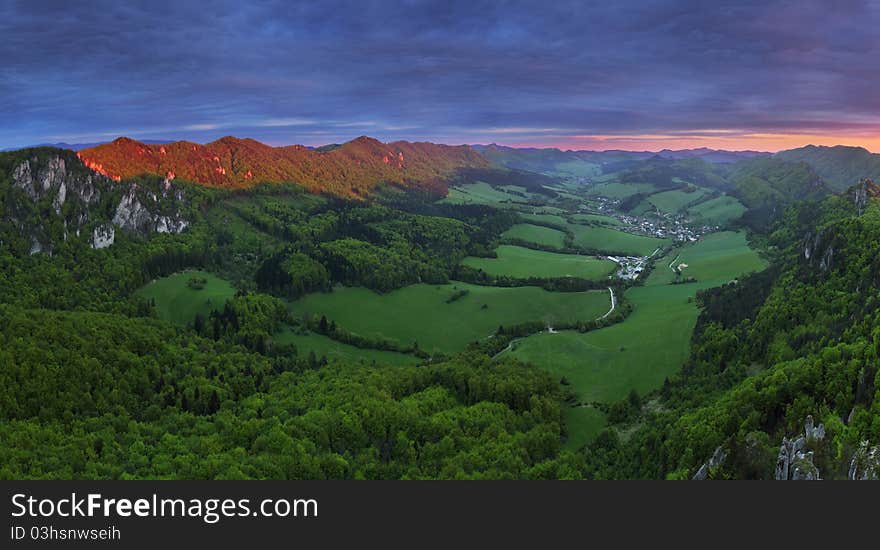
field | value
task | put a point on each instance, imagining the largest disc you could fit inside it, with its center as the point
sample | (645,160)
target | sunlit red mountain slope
(353,168)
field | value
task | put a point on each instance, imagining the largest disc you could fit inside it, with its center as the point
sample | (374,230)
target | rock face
(52,180)
(137,212)
(794,461)
(103,236)
(716,460)
(865,463)
(60,183)
(866,189)
(818,250)
(79,195)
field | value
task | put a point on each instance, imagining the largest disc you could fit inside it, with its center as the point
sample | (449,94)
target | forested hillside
(95,386)
(839,166)
(796,340)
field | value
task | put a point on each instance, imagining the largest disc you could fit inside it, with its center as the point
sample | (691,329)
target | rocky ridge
(78,196)
(351,169)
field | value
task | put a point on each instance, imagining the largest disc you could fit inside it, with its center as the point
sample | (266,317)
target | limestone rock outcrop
(717,458)
(865,463)
(82,197)
(795,461)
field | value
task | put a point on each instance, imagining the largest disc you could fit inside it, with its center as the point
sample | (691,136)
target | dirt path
(613,304)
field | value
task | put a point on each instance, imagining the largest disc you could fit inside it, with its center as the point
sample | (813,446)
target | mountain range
(352,168)
(548,159)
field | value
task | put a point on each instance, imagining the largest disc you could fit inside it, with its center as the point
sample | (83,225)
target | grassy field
(420,313)
(673,201)
(720,210)
(536,234)
(715,259)
(177,302)
(604,365)
(583,424)
(333,350)
(603,238)
(519,262)
(652,343)
(482,193)
(615,190)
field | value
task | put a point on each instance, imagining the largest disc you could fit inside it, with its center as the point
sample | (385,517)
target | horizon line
(81,144)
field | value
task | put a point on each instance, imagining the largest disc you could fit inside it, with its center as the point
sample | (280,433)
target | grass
(718,211)
(337,351)
(519,262)
(482,193)
(536,234)
(615,190)
(607,239)
(604,365)
(420,313)
(715,259)
(653,342)
(583,424)
(178,303)
(673,201)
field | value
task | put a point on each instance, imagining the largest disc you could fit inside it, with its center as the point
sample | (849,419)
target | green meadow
(615,190)
(720,210)
(536,234)
(583,424)
(653,342)
(716,259)
(176,301)
(673,201)
(519,262)
(603,238)
(422,313)
(482,193)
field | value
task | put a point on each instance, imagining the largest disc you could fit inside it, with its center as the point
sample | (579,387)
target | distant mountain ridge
(543,159)
(351,169)
(78,146)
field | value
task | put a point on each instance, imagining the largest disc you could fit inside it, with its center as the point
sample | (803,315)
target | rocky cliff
(50,196)
(795,459)
(861,193)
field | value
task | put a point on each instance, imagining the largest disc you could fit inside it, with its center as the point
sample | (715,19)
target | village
(664,225)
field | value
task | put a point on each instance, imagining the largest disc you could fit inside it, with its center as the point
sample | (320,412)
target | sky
(639,75)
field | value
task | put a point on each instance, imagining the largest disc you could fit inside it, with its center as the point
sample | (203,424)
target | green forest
(181,349)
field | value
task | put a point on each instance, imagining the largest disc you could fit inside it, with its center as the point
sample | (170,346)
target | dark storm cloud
(449,71)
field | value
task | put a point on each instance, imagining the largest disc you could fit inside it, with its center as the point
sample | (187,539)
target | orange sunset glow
(717,139)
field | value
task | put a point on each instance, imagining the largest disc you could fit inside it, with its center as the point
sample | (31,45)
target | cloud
(458,71)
